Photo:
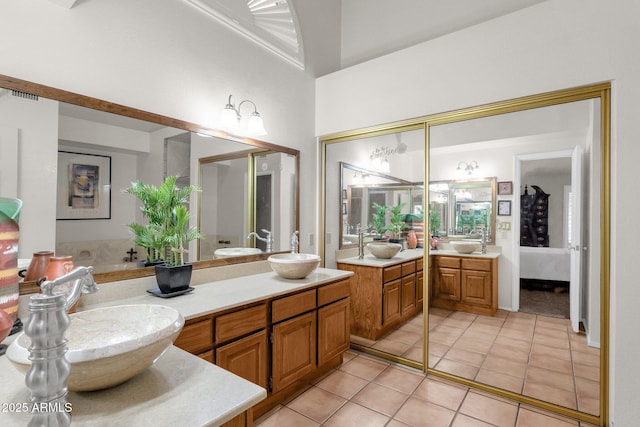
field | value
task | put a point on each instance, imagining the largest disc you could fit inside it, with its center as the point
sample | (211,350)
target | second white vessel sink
(231,252)
(294,266)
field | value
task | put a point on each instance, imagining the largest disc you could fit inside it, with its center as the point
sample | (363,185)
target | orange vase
(412,240)
(59,266)
(38,265)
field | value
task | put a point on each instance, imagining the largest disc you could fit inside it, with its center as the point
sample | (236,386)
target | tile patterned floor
(367,392)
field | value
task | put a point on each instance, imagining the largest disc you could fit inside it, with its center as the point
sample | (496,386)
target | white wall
(554,45)
(166,58)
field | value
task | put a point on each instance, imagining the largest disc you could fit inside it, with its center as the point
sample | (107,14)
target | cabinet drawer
(419,263)
(392,273)
(242,322)
(448,262)
(196,337)
(333,292)
(476,264)
(287,307)
(408,268)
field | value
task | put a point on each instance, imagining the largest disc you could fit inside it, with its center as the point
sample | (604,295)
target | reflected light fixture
(230,118)
(468,167)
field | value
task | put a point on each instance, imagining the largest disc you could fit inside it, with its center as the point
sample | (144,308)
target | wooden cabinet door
(246,357)
(447,284)
(293,350)
(408,296)
(476,287)
(391,302)
(333,330)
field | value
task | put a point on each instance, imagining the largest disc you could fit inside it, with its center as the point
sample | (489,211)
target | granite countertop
(217,296)
(180,387)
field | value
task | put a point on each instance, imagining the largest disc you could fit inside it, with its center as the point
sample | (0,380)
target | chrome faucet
(268,240)
(48,320)
(295,242)
(483,240)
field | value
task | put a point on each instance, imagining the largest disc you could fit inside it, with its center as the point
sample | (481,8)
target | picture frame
(504,207)
(505,188)
(84,186)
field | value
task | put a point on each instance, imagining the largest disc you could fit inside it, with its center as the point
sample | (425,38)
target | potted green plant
(379,220)
(396,222)
(434,222)
(167,234)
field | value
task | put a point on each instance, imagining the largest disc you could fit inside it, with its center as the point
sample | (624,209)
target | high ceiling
(323,36)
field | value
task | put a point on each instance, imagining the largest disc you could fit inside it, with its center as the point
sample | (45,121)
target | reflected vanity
(179,140)
(471,347)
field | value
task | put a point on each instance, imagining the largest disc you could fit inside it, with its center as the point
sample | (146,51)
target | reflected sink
(294,266)
(384,250)
(466,246)
(107,346)
(231,252)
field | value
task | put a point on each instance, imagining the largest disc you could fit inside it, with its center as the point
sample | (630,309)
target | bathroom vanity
(276,335)
(384,292)
(464,282)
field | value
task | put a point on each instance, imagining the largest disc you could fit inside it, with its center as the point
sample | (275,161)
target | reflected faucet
(360,233)
(483,239)
(268,240)
(48,320)
(295,242)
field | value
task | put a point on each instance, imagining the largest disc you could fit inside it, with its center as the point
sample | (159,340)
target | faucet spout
(268,240)
(295,242)
(83,282)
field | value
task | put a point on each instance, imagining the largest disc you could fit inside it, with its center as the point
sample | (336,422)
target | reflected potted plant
(396,223)
(379,220)
(167,233)
(434,222)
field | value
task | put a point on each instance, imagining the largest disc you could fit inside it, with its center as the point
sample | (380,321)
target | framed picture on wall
(505,188)
(504,207)
(84,186)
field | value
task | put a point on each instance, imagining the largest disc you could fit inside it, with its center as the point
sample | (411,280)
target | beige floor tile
(522,345)
(551,341)
(415,353)
(539,349)
(528,418)
(456,368)
(390,346)
(551,363)
(285,417)
(465,356)
(342,384)
(441,393)
(316,404)
(586,358)
(364,367)
(379,398)
(479,345)
(551,394)
(400,379)
(352,415)
(585,371)
(396,423)
(492,411)
(505,366)
(462,420)
(508,352)
(500,380)
(515,334)
(405,337)
(418,413)
(438,349)
(545,377)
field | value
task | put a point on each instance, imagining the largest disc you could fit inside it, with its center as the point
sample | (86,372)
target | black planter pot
(174,278)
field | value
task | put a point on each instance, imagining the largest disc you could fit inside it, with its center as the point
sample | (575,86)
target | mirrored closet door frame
(601,92)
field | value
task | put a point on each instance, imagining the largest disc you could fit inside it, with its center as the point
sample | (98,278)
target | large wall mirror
(548,159)
(138,145)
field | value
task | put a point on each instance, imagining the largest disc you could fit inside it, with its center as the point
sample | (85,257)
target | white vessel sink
(107,346)
(466,246)
(231,252)
(294,266)
(384,250)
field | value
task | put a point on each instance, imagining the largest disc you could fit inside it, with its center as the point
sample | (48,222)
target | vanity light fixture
(468,167)
(230,118)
